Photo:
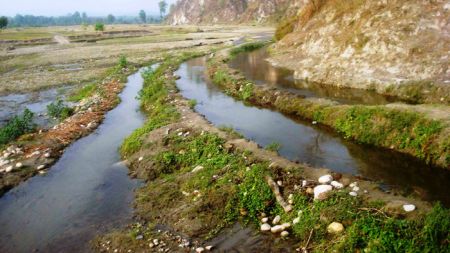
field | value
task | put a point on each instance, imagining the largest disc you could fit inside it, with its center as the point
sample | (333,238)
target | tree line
(78,18)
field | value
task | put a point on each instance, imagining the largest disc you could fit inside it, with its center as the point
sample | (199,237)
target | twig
(374,209)
(305,249)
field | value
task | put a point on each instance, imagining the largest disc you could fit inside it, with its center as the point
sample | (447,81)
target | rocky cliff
(231,11)
(396,47)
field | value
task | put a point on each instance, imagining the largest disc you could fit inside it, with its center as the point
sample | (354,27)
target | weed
(231,131)
(59,110)
(16,127)
(85,92)
(274,147)
(192,103)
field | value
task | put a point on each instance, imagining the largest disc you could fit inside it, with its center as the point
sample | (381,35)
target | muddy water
(14,104)
(310,144)
(85,193)
(255,67)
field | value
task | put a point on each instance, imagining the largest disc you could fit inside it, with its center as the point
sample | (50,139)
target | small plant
(59,110)
(99,27)
(83,93)
(247,91)
(123,63)
(274,147)
(16,127)
(192,103)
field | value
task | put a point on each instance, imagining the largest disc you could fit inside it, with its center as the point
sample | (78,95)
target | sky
(91,7)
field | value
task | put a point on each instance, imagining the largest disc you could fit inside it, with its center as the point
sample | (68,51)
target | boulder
(321,192)
(335,228)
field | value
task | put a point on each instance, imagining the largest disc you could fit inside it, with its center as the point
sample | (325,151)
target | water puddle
(310,144)
(87,192)
(255,67)
(14,104)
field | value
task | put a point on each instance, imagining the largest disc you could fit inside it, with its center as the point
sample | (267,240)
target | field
(38,58)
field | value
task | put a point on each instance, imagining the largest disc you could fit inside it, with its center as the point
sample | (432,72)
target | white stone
(335,228)
(41,167)
(209,248)
(284,234)
(200,249)
(325,179)
(352,184)
(47,155)
(304,183)
(337,185)
(286,225)
(276,229)
(354,194)
(409,208)
(265,227)
(197,169)
(19,165)
(9,169)
(276,220)
(279,183)
(265,220)
(321,191)
(141,159)
(296,220)
(355,189)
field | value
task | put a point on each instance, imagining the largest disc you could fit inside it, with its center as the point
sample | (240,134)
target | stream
(311,144)
(87,192)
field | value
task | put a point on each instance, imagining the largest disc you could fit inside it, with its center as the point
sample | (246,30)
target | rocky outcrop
(397,47)
(230,11)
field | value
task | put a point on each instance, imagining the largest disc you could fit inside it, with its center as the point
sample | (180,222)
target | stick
(276,190)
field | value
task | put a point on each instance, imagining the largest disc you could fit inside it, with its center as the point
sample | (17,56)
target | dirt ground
(33,59)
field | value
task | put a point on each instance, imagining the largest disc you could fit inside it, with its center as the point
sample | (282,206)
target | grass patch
(274,147)
(85,92)
(16,127)
(247,47)
(59,110)
(192,103)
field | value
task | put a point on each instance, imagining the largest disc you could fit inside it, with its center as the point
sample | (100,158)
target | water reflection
(255,67)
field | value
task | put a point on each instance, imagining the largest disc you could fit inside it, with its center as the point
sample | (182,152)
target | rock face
(396,47)
(230,11)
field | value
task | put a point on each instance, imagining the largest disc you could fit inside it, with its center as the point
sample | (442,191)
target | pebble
(325,179)
(139,237)
(209,248)
(141,159)
(197,169)
(276,229)
(200,249)
(409,208)
(265,220)
(279,183)
(355,189)
(321,192)
(337,185)
(265,227)
(354,194)
(296,220)
(47,155)
(276,220)
(9,169)
(286,225)
(284,234)
(335,228)
(352,184)
(41,167)
(310,190)
(19,165)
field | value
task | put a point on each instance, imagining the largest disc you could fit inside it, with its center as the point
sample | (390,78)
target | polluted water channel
(87,192)
(307,143)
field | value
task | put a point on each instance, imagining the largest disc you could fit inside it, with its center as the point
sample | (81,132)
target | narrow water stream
(310,144)
(85,193)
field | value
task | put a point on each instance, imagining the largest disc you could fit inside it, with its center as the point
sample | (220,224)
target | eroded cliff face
(397,47)
(231,11)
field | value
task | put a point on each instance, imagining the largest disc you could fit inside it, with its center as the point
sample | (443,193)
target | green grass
(59,110)
(247,47)
(274,147)
(86,91)
(192,103)
(16,127)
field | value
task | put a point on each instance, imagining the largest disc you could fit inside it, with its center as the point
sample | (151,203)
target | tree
(111,18)
(76,18)
(84,17)
(99,27)
(3,22)
(143,16)
(162,8)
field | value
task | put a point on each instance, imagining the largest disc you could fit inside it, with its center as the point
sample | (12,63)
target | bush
(99,27)
(59,110)
(123,63)
(16,127)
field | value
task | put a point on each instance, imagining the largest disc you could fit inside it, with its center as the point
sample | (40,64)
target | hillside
(231,11)
(395,47)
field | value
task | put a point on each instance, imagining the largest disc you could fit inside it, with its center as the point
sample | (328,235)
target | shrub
(99,27)
(123,63)
(16,127)
(59,110)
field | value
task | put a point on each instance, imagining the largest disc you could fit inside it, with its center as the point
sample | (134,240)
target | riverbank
(414,130)
(34,153)
(201,180)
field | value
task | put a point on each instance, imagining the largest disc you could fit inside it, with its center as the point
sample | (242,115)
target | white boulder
(337,185)
(265,227)
(325,179)
(321,192)
(409,208)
